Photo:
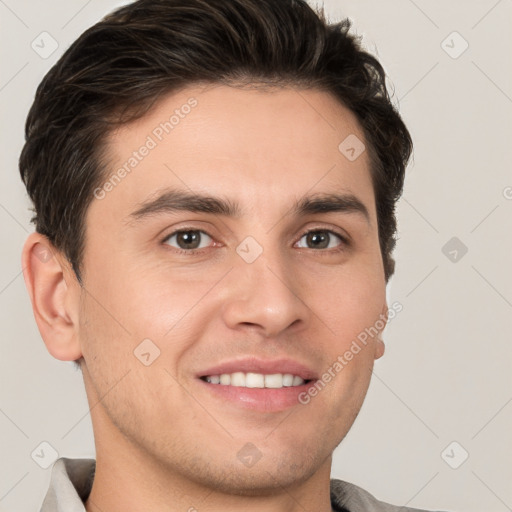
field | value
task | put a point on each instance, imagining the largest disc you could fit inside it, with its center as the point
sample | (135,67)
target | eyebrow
(170,201)
(326,203)
(173,200)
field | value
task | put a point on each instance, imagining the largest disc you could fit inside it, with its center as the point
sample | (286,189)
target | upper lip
(264,366)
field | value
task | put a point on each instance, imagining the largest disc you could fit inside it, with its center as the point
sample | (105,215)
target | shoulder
(347,497)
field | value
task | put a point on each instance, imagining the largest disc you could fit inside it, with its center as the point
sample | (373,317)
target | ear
(54,293)
(379,342)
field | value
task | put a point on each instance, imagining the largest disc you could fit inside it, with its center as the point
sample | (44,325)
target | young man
(214,187)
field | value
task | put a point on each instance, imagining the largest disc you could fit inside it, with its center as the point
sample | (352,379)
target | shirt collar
(70,485)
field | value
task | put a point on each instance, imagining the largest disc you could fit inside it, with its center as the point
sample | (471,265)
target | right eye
(188,240)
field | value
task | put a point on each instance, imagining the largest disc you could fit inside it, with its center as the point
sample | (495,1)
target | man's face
(249,288)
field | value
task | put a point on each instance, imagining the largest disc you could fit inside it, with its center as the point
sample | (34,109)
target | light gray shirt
(71,483)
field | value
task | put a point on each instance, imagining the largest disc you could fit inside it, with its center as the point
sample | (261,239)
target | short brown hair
(119,68)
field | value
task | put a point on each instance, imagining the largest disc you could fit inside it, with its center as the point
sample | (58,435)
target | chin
(256,483)
(266,477)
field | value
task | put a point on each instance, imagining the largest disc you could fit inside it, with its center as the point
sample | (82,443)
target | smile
(256,380)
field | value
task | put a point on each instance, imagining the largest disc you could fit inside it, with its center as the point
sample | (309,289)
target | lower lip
(259,399)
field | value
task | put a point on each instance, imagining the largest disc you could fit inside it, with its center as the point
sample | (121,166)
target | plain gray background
(446,374)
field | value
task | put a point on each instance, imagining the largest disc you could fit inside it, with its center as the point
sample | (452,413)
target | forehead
(262,146)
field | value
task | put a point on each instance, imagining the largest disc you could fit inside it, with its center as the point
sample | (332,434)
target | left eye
(189,239)
(321,239)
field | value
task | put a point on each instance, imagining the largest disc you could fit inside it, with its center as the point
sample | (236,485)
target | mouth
(259,385)
(256,380)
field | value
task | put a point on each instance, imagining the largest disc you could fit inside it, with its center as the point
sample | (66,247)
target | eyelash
(345,243)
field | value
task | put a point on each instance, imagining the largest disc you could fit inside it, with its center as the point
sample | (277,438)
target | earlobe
(379,342)
(379,346)
(54,298)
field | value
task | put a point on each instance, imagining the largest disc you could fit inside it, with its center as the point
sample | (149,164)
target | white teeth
(238,379)
(225,379)
(256,380)
(274,381)
(297,381)
(288,379)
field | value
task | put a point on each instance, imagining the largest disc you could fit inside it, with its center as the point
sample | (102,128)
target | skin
(162,442)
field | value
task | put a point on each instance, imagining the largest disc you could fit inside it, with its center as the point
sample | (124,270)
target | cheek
(116,371)
(351,315)
(105,339)
(167,304)
(349,303)
(150,302)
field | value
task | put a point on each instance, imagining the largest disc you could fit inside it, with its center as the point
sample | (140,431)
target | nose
(265,296)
